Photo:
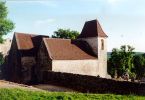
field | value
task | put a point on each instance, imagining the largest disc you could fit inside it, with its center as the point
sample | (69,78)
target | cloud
(50,3)
(44,22)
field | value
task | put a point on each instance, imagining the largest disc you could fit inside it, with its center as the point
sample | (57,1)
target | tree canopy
(124,59)
(121,60)
(6,25)
(139,64)
(65,33)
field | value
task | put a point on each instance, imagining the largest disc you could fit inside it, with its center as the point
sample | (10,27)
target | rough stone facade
(21,62)
(92,84)
(44,63)
(98,43)
(99,46)
(27,64)
(84,67)
(13,73)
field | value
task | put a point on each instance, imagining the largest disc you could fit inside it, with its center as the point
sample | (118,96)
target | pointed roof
(92,29)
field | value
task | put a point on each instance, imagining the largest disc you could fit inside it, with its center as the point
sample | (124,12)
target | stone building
(32,55)
(22,57)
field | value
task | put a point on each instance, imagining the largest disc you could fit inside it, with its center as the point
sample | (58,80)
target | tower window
(102,44)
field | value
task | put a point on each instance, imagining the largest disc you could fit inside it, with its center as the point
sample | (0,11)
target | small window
(102,44)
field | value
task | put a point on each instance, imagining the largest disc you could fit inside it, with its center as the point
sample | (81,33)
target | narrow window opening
(102,44)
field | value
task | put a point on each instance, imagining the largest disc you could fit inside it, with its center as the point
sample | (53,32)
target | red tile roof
(92,29)
(24,41)
(64,49)
(27,41)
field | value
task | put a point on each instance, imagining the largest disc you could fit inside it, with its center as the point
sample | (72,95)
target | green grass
(21,94)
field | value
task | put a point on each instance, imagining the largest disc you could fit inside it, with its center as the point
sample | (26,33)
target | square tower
(93,34)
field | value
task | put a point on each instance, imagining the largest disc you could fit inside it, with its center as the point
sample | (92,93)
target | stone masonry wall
(91,84)
(43,62)
(84,67)
(95,43)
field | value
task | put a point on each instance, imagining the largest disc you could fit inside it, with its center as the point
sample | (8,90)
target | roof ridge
(57,39)
(100,27)
(25,33)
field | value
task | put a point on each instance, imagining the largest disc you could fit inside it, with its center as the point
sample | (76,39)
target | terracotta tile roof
(65,49)
(24,41)
(27,41)
(28,44)
(92,29)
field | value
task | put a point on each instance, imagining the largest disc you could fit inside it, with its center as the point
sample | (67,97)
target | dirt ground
(54,88)
(7,84)
(40,87)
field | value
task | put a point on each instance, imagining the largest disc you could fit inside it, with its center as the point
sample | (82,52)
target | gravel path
(7,84)
(40,87)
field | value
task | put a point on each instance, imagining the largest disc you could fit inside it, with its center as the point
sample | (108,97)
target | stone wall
(27,64)
(84,67)
(12,64)
(95,43)
(91,84)
(102,56)
(43,62)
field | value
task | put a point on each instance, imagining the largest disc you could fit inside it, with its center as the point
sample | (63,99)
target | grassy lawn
(21,94)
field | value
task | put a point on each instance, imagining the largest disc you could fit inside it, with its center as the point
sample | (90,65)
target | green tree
(139,64)
(65,33)
(121,60)
(6,25)
(114,62)
(127,54)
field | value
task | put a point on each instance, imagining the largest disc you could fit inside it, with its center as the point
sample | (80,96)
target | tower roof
(92,29)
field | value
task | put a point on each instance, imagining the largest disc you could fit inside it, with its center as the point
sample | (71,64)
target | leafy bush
(132,76)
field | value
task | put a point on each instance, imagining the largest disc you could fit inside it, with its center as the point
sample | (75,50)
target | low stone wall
(91,84)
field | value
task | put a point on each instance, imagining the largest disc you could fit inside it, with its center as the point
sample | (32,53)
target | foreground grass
(21,94)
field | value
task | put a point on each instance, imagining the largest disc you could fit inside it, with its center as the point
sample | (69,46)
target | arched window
(102,44)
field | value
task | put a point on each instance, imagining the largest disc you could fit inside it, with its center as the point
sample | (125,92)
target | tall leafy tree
(121,60)
(114,62)
(65,33)
(139,64)
(127,54)
(6,25)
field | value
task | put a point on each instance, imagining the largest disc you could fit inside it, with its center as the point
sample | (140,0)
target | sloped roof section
(92,29)
(24,41)
(27,41)
(65,49)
